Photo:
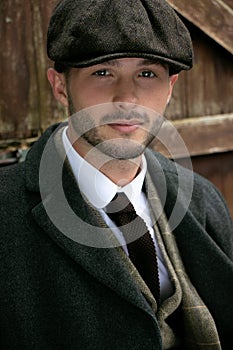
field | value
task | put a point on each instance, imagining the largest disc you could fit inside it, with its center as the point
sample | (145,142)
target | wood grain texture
(206,89)
(214,17)
(218,168)
(26,102)
(196,136)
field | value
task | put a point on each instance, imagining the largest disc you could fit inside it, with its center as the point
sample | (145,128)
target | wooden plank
(27,105)
(228,2)
(218,168)
(16,65)
(214,17)
(199,136)
(206,89)
(50,111)
(204,135)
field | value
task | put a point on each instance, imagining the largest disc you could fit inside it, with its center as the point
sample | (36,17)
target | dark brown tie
(139,242)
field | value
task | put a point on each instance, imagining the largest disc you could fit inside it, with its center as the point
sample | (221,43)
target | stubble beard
(122,148)
(119,148)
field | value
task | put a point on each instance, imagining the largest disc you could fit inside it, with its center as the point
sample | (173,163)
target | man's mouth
(126,126)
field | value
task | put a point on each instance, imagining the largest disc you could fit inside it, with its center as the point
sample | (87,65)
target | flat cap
(82,33)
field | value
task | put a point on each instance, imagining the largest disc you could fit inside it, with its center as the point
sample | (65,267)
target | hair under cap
(82,33)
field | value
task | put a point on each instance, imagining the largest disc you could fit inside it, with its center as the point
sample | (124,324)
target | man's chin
(121,152)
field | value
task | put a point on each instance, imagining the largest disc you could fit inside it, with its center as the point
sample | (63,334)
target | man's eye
(147,74)
(101,73)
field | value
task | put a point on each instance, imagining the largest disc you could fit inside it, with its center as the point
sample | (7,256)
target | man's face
(130,95)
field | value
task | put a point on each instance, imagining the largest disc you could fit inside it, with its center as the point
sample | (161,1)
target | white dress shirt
(100,190)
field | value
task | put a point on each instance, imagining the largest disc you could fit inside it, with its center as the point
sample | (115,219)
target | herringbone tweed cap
(82,33)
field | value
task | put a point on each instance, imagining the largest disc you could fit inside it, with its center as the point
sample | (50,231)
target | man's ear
(173,78)
(58,84)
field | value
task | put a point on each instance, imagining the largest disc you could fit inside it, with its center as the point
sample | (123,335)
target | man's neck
(121,172)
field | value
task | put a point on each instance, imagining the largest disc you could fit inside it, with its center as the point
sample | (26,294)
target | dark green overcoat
(59,294)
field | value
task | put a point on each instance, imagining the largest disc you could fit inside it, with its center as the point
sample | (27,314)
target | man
(74,275)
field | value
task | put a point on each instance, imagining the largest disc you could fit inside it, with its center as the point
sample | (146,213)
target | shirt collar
(97,187)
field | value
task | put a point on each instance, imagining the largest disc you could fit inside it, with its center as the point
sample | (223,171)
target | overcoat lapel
(76,227)
(208,264)
(104,264)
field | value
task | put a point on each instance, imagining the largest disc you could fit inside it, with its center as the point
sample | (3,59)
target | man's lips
(125,126)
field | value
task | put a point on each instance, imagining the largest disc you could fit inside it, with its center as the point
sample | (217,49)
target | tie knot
(120,203)
(122,212)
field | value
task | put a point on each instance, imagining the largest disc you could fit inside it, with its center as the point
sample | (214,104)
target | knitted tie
(140,245)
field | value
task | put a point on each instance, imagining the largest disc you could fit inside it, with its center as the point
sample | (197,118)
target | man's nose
(125,94)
